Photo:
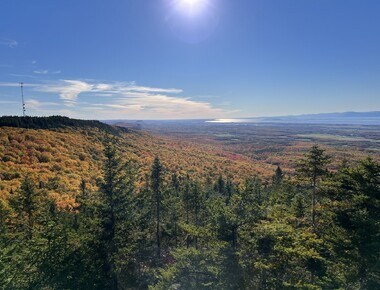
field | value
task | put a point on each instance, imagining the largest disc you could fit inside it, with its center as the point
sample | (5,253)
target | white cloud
(124,100)
(22,76)
(102,94)
(68,90)
(41,72)
(45,72)
(102,87)
(136,107)
(134,88)
(8,42)
(6,84)
(8,102)
(36,104)
(9,84)
(32,104)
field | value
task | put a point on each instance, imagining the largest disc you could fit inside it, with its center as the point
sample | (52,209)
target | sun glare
(192,6)
(192,20)
(191,3)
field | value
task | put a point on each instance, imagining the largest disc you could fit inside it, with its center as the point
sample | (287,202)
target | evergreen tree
(358,213)
(40,238)
(116,195)
(186,200)
(173,208)
(229,190)
(278,176)
(313,168)
(156,186)
(25,203)
(219,186)
(5,212)
(195,235)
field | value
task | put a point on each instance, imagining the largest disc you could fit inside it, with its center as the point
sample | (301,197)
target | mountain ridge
(55,122)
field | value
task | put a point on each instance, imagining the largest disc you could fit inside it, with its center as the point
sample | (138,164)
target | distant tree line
(321,231)
(53,122)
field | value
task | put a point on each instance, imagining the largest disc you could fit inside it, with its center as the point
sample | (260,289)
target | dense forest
(53,122)
(84,205)
(317,230)
(59,158)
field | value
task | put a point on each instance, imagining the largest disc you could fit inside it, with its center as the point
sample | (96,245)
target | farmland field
(272,144)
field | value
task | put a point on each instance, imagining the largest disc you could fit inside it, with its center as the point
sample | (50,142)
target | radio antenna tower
(22,97)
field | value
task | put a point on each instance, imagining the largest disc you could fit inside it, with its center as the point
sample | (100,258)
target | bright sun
(192,6)
(191,2)
(193,20)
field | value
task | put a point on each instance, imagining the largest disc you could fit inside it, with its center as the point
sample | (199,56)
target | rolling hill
(59,152)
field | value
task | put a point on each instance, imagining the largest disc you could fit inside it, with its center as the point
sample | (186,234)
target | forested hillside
(83,209)
(59,158)
(53,122)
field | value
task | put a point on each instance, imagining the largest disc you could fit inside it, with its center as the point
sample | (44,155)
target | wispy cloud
(123,100)
(8,42)
(9,84)
(132,87)
(36,104)
(22,76)
(41,72)
(45,72)
(69,90)
(8,102)
(13,84)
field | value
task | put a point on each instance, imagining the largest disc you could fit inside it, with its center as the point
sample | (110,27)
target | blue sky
(165,59)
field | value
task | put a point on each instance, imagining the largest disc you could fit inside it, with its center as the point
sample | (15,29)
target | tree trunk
(158,224)
(313,200)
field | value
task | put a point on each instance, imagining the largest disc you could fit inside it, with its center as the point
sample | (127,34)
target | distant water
(234,121)
(304,120)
